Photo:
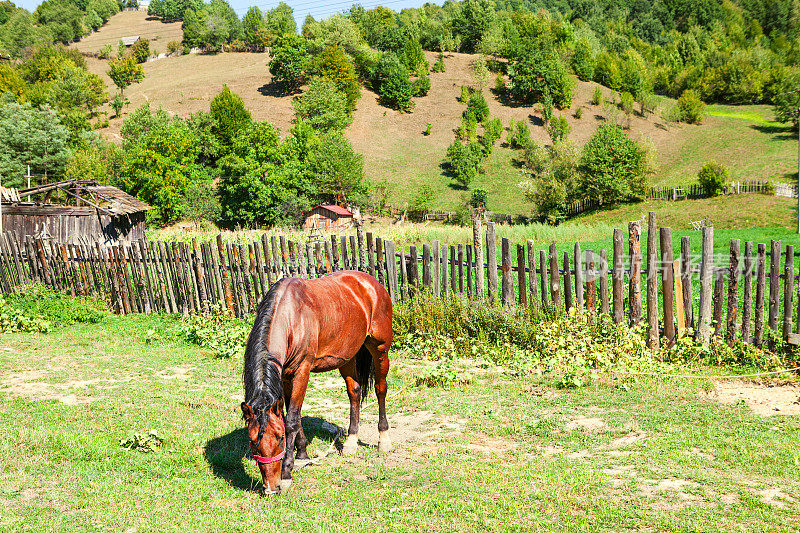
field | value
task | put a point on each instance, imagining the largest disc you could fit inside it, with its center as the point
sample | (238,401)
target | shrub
(500,83)
(713,177)
(691,109)
(769,188)
(467,132)
(428,128)
(558,128)
(519,135)
(613,167)
(105,51)
(218,331)
(648,103)
(547,107)
(422,84)
(578,113)
(421,202)
(173,47)
(597,96)
(335,65)
(289,58)
(117,103)
(478,199)
(492,130)
(478,106)
(202,203)
(56,308)
(463,160)
(549,196)
(13,320)
(438,66)
(464,97)
(583,60)
(540,72)
(140,50)
(397,91)
(626,103)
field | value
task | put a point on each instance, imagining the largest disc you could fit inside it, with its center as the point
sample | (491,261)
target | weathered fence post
(667,284)
(522,290)
(747,302)
(578,261)
(706,274)
(543,281)
(634,288)
(476,244)
(761,273)
(508,289)
(617,275)
(686,282)
(652,284)
(774,288)
(733,292)
(555,281)
(491,260)
(788,291)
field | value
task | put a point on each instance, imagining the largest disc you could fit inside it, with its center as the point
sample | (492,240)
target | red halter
(267,460)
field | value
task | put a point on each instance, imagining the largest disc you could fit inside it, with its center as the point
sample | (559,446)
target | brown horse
(344,321)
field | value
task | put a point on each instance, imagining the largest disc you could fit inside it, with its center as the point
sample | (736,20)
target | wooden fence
(180,277)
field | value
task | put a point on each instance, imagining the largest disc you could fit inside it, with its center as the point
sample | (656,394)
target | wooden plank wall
(648,286)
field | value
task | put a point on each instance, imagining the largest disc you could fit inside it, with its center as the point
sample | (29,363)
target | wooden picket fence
(180,277)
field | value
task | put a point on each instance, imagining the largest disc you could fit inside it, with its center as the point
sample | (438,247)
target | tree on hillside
(323,106)
(230,115)
(63,19)
(30,136)
(21,32)
(76,88)
(124,72)
(254,29)
(289,59)
(539,72)
(280,20)
(335,65)
(613,167)
(336,168)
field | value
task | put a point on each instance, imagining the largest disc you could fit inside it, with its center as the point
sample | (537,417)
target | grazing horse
(344,321)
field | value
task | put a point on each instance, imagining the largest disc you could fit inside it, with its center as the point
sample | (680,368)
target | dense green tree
(32,137)
(334,64)
(607,72)
(538,72)
(21,32)
(336,168)
(193,28)
(323,106)
(254,29)
(125,72)
(463,161)
(63,19)
(472,21)
(11,81)
(613,167)
(289,59)
(280,20)
(229,115)
(583,60)
(393,83)
(76,88)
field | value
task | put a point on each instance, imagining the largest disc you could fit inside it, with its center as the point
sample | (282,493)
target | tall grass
(407,233)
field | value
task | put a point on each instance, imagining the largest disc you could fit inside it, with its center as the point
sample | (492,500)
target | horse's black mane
(262,370)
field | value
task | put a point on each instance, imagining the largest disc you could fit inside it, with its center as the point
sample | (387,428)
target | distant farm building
(330,217)
(88,213)
(128,41)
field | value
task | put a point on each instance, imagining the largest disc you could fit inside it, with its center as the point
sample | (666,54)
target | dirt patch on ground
(491,446)
(29,384)
(593,425)
(765,399)
(180,372)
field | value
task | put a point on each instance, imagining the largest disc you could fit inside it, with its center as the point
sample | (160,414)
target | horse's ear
(247,412)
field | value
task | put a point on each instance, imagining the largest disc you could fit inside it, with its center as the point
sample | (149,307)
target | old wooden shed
(74,211)
(328,216)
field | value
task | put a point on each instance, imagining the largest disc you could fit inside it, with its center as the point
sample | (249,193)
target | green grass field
(503,453)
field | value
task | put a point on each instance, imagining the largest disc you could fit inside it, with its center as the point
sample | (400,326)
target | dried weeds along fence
(160,277)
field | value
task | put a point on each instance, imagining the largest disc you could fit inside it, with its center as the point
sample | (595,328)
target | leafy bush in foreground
(218,331)
(41,304)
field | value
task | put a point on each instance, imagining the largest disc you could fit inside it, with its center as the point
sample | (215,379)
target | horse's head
(267,435)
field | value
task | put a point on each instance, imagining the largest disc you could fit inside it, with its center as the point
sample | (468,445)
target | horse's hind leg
(348,372)
(380,360)
(300,443)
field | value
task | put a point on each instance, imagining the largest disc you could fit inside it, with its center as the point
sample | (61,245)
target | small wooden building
(92,213)
(330,217)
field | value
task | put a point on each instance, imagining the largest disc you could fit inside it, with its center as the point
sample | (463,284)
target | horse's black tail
(365,371)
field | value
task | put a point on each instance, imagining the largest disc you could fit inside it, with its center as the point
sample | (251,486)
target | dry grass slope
(393,144)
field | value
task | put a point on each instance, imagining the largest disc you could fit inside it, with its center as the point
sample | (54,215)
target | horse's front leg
(292,422)
(348,372)
(300,443)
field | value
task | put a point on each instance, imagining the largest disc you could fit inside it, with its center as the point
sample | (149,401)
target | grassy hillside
(395,149)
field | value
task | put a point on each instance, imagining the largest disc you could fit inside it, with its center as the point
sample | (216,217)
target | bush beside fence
(159,277)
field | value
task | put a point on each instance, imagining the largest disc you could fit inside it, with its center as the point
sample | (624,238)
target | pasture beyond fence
(656,287)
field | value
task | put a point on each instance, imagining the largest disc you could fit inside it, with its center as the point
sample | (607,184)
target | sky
(318,9)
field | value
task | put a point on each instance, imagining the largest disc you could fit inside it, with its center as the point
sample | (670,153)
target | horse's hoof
(350,445)
(384,442)
(285,485)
